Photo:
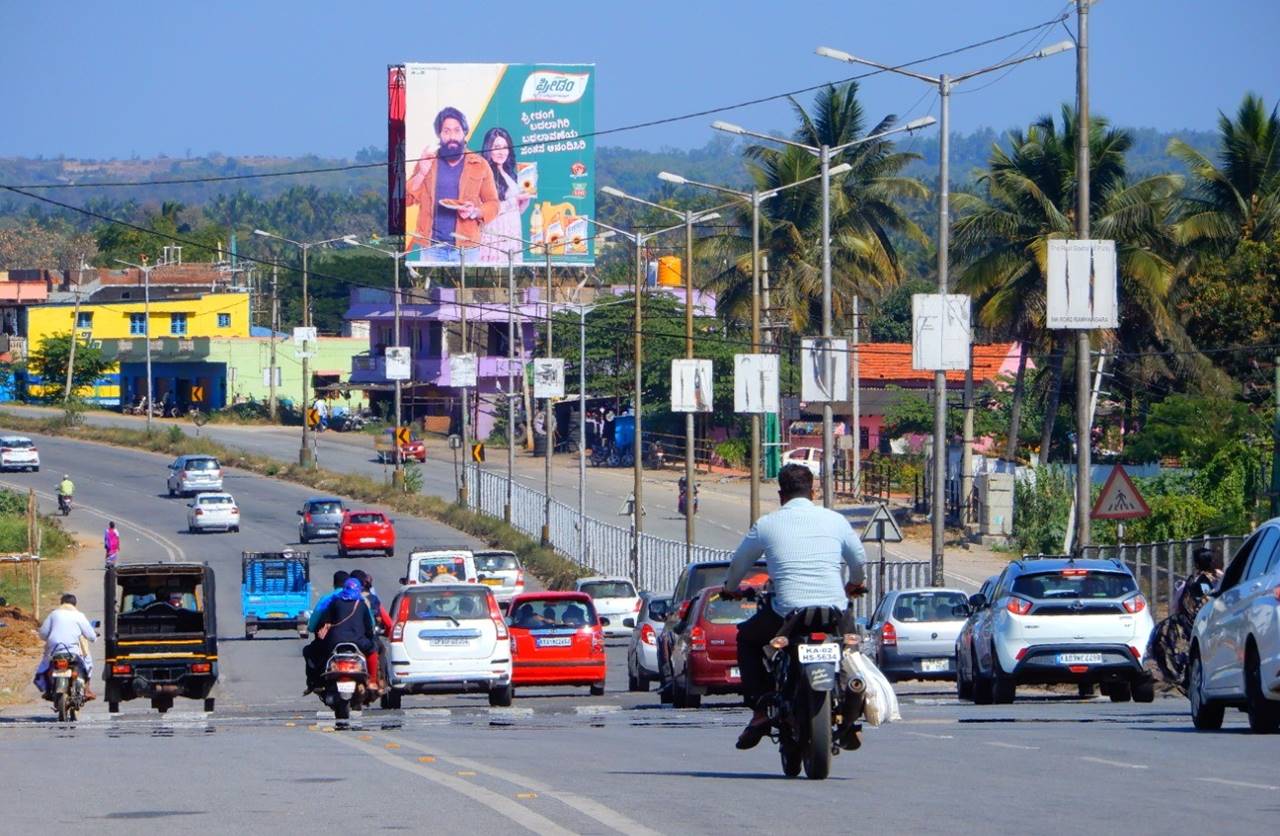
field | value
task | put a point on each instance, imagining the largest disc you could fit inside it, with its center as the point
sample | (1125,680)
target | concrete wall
(248,359)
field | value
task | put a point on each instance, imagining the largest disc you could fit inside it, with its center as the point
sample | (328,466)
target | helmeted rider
(67,629)
(66,487)
(805,547)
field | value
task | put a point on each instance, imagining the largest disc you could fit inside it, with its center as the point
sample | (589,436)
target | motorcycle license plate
(346,688)
(934,665)
(60,674)
(1079,658)
(734,673)
(554,641)
(826,652)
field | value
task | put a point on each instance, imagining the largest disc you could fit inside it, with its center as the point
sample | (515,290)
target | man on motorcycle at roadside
(805,547)
(66,488)
(66,628)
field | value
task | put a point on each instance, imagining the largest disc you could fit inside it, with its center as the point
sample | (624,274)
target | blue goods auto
(275,591)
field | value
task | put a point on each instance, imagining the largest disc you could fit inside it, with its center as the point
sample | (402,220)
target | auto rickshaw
(275,591)
(160,633)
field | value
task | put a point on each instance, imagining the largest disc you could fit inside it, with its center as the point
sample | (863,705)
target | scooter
(65,684)
(346,680)
(64,504)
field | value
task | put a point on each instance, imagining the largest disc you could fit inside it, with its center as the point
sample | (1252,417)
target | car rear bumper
(202,487)
(711,676)
(558,673)
(647,659)
(452,681)
(318,531)
(1040,664)
(201,522)
(910,665)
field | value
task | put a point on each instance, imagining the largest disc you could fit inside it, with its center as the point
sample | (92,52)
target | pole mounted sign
(398,363)
(939,332)
(1082,285)
(1120,499)
(882,527)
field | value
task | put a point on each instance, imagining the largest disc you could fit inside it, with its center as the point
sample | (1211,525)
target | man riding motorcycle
(804,546)
(66,489)
(66,628)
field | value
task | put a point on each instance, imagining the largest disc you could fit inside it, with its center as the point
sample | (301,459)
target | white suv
(17,452)
(1059,620)
(1235,644)
(615,599)
(447,638)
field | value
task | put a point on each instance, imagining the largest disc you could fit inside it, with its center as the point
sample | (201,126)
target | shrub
(1041,505)
(735,452)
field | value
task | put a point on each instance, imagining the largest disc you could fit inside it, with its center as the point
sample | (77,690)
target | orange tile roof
(891,363)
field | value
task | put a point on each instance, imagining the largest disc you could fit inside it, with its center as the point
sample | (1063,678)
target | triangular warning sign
(882,527)
(1120,499)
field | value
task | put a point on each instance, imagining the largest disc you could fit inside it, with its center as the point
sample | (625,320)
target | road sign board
(403,436)
(477,452)
(1120,499)
(303,336)
(313,417)
(882,527)
(197,394)
(398,363)
(455,442)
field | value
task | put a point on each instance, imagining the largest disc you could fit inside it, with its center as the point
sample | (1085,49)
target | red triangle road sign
(1120,499)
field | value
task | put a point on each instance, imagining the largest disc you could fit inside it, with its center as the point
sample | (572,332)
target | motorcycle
(655,457)
(814,707)
(64,504)
(682,502)
(65,684)
(346,680)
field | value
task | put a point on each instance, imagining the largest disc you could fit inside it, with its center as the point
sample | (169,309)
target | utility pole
(75,322)
(550,423)
(397,455)
(1084,435)
(938,509)
(466,399)
(637,358)
(511,384)
(275,329)
(690,485)
(305,456)
(828,431)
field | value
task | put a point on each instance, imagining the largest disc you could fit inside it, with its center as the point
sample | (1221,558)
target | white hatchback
(615,599)
(447,638)
(17,452)
(441,565)
(1235,645)
(500,571)
(213,512)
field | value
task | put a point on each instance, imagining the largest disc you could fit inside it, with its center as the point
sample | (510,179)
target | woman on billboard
(501,235)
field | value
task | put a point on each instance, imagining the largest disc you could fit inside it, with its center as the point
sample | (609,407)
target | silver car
(194,474)
(320,519)
(501,572)
(912,634)
(642,652)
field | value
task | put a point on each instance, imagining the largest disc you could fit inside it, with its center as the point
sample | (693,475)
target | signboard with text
(1082,285)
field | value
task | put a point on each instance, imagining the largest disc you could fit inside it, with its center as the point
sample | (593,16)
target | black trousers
(753,635)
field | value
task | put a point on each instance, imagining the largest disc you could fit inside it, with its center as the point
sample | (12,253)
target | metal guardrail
(608,547)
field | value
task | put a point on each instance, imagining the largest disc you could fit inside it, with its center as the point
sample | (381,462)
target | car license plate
(447,642)
(554,641)
(277,615)
(492,581)
(367,540)
(825,652)
(1079,658)
(734,673)
(934,665)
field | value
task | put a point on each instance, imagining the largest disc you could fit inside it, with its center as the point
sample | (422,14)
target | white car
(213,511)
(193,474)
(1235,644)
(810,457)
(442,565)
(615,599)
(500,571)
(447,639)
(912,633)
(17,452)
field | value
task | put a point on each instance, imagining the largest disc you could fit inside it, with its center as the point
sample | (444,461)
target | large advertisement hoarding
(496,155)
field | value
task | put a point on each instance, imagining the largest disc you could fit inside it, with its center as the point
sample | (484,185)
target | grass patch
(555,571)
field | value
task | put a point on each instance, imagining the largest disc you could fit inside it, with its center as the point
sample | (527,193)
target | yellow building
(181,327)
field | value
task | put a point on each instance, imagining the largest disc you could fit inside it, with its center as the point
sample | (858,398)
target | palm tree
(1240,199)
(1001,239)
(867,221)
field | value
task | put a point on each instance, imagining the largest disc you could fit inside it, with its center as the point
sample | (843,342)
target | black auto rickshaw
(160,633)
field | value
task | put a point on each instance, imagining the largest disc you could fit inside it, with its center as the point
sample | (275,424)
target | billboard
(493,155)
(1082,285)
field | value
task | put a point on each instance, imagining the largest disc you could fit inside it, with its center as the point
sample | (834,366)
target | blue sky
(289,77)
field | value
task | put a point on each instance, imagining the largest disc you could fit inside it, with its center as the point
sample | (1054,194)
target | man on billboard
(453,189)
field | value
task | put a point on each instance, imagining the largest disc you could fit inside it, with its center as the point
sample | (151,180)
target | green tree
(891,318)
(1193,429)
(49,360)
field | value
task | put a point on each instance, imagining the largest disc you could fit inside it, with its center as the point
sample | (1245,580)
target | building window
(84,320)
(178,324)
(138,324)
(224,320)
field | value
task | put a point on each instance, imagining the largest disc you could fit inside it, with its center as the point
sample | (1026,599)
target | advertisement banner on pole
(493,152)
(1082,285)
(548,377)
(462,370)
(824,370)
(939,332)
(691,389)
(755,383)
(398,363)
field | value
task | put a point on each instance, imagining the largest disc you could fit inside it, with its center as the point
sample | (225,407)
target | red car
(366,531)
(704,653)
(556,639)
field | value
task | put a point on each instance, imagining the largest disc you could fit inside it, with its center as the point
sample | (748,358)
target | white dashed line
(933,736)
(1120,764)
(1224,782)
(1009,745)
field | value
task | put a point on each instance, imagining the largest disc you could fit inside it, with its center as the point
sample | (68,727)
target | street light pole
(397,456)
(466,391)
(828,431)
(1083,428)
(550,423)
(690,471)
(145,269)
(511,385)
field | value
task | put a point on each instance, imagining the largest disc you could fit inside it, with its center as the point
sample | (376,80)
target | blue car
(275,591)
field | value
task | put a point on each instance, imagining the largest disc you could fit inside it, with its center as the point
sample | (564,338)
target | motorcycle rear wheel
(817,756)
(341,709)
(60,706)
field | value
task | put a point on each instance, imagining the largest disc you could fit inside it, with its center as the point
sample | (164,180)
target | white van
(451,564)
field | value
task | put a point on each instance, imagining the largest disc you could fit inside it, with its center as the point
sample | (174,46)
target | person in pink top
(111,542)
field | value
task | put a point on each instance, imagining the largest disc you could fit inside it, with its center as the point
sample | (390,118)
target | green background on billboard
(555,180)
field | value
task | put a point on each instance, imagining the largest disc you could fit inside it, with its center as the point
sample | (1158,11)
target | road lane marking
(1120,764)
(1224,782)
(1009,745)
(590,808)
(496,802)
(934,736)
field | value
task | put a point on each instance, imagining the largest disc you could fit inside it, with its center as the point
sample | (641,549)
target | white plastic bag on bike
(881,704)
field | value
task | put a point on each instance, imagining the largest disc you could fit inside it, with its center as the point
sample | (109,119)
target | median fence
(607,549)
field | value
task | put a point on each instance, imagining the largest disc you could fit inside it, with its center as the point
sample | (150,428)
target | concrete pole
(511,385)
(637,448)
(966,454)
(75,320)
(397,473)
(938,509)
(1083,422)
(466,392)
(828,432)
(146,315)
(690,475)
(754,509)
(582,435)
(550,423)
(305,456)
(272,403)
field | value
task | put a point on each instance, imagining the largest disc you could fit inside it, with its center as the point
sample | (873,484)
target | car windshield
(455,604)
(454,568)
(215,500)
(928,606)
(608,589)
(201,464)
(719,611)
(17,443)
(326,508)
(496,562)
(700,577)
(544,613)
(365,519)
(1075,583)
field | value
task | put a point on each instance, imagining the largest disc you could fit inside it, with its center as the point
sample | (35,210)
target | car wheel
(342,552)
(390,700)
(1085,689)
(964,685)
(982,693)
(1205,716)
(1119,692)
(35,469)
(208,705)
(236,529)
(1264,714)
(113,707)
(191,529)
(172,492)
(597,690)
(391,552)
(302,539)
(1144,690)
(501,697)
(1003,687)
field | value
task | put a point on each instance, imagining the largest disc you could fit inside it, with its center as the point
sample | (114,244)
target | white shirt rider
(63,629)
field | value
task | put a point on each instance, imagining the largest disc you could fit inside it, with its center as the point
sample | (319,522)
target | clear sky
(93,79)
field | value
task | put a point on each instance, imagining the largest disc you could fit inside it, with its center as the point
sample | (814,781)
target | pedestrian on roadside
(111,542)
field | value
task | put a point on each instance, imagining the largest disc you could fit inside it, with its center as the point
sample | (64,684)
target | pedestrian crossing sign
(1120,499)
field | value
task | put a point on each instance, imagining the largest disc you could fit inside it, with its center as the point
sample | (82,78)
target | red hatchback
(704,653)
(366,531)
(556,639)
